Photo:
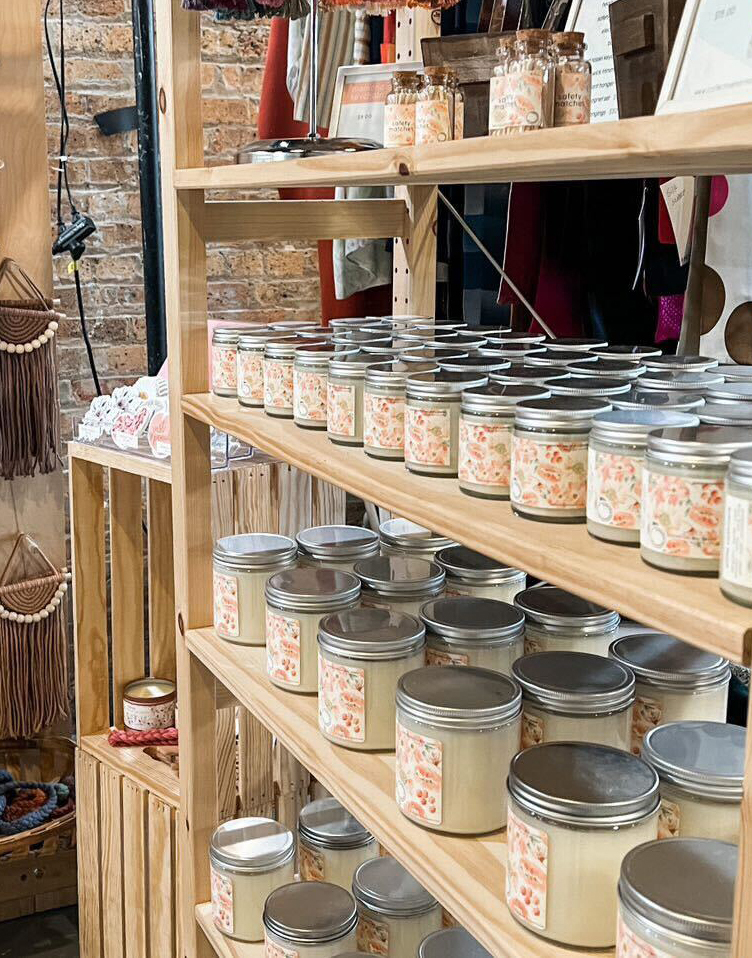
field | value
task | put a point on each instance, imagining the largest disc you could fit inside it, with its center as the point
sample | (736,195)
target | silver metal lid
(576,411)
(310,912)
(677,380)
(381,353)
(372,634)
(150,689)
(474,363)
(285,348)
(386,887)
(578,783)
(726,414)
(315,354)
(511,350)
(401,321)
(293,325)
(226,335)
(662,660)
(358,337)
(705,757)
(575,683)
(254,550)
(458,697)
(305,589)
(433,354)
(327,824)
(422,334)
(338,542)
(516,337)
(633,425)
(683,886)
(473,568)
(470,620)
(259,338)
(395,373)
(467,343)
(576,343)
(500,397)
(345,323)
(540,375)
(683,362)
(450,943)
(352,363)
(740,467)
(636,352)
(409,536)
(398,575)
(554,610)
(558,357)
(441,385)
(252,845)
(591,386)
(638,398)
(703,443)
(733,373)
(615,368)
(730,392)
(317,332)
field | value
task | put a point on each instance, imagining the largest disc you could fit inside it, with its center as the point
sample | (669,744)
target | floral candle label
(484,454)
(399,124)
(432,123)
(736,559)
(340,405)
(548,475)
(309,394)
(419,776)
(669,819)
(533,730)
(278,384)
(533,645)
(383,421)
(427,436)
(436,657)
(572,101)
(277,951)
(630,945)
(311,864)
(614,489)
(682,517)
(141,717)
(372,937)
(342,702)
(646,714)
(226,619)
(221,901)
(282,648)
(224,367)
(527,871)
(251,375)
(525,92)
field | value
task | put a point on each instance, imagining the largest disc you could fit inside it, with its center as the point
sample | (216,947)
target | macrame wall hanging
(29,408)
(33,647)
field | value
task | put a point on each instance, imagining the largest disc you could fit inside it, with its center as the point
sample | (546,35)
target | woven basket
(39,760)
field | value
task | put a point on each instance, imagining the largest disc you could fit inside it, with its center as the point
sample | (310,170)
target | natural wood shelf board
(690,607)
(225,947)
(466,874)
(157,777)
(145,466)
(700,142)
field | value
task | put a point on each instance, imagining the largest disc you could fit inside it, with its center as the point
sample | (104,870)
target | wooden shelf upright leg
(742,945)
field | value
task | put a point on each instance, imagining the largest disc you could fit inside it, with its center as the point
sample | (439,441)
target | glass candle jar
(362,655)
(678,381)
(278,375)
(726,414)
(515,336)
(514,352)
(344,419)
(556,620)
(293,325)
(399,582)
(485,436)
(344,323)
(384,407)
(471,574)
(577,343)
(608,368)
(242,565)
(530,83)
(224,365)
(638,398)
(498,100)
(558,357)
(575,697)
(484,633)
(354,339)
(399,109)
(420,355)
(701,768)
(309,919)
(681,362)
(575,810)
(250,372)
(735,372)
(332,844)
(616,451)
(729,392)
(549,457)
(296,600)
(434,110)
(602,387)
(395,912)
(530,375)
(309,384)
(432,415)
(617,351)
(676,899)
(683,496)
(572,79)
(675,681)
(405,537)
(736,539)
(321,333)
(451,943)
(336,547)
(249,858)
(474,363)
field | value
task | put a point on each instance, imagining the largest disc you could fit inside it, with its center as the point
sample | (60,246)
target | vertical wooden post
(161,579)
(742,944)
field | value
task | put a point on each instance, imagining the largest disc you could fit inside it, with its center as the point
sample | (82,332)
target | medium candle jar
(242,566)
(354,339)
(675,681)
(309,919)
(701,768)
(514,352)
(682,363)
(395,912)
(293,325)
(249,858)
(556,620)
(575,697)
(676,900)
(683,496)
(576,343)
(451,943)
(384,407)
(609,368)
(362,655)
(575,811)
(731,392)
(405,537)
(638,398)
(336,547)
(676,381)
(400,583)
(149,703)
(472,574)
(332,844)
(530,375)
(432,415)
(726,413)
(736,539)
(616,451)
(456,725)
(309,384)
(515,336)
(278,376)
(484,633)
(597,386)
(475,363)
(549,457)
(250,376)
(636,353)
(296,600)
(224,366)
(430,354)
(344,418)
(485,436)
(558,357)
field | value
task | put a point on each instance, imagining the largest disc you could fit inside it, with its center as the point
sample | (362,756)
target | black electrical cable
(85,331)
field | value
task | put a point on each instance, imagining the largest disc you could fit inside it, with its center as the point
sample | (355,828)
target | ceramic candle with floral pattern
(347,372)
(736,551)
(332,843)
(278,375)
(309,376)
(224,365)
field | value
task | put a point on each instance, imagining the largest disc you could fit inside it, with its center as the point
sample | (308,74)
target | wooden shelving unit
(224,947)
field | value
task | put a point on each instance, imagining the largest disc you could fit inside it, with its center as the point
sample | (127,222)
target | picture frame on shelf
(359,95)
(591,18)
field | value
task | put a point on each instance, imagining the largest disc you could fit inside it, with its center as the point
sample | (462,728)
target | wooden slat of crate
(111,863)
(161,879)
(89,875)
(135,869)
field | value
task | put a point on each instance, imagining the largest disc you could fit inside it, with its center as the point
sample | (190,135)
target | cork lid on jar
(252,845)
(540,375)
(610,368)
(684,886)
(408,536)
(558,357)
(677,380)
(458,697)
(310,912)
(638,398)
(498,397)
(475,363)
(681,362)
(662,660)
(424,354)
(734,373)
(254,550)
(328,824)
(312,589)
(707,444)
(739,391)
(386,887)
(473,568)
(473,620)
(559,411)
(726,414)
(451,943)
(705,757)
(591,386)
(371,634)
(338,542)
(575,683)
(399,575)
(576,343)
(554,610)
(636,352)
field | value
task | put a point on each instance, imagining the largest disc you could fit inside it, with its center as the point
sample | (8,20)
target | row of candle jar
(424,108)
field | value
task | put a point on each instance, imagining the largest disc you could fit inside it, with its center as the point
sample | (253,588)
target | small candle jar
(701,768)
(251,365)
(395,912)
(676,899)
(675,681)
(471,574)
(249,858)
(451,943)
(149,703)
(432,416)
(549,457)
(484,633)
(362,655)
(572,80)
(399,109)
(434,110)
(332,844)
(608,368)
(575,810)
(224,366)
(344,418)
(531,375)
(726,414)
(278,376)
(558,357)
(405,537)
(575,697)
(384,407)
(601,387)
(683,496)
(242,565)
(309,919)
(336,547)
(455,725)
(400,583)
(296,600)
(682,363)
(736,539)
(616,451)
(556,620)
(309,384)
(678,381)
(638,398)
(485,436)
(618,351)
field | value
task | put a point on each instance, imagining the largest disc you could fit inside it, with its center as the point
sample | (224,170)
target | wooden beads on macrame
(35,343)
(43,613)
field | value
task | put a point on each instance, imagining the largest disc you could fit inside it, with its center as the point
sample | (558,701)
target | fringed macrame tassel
(29,412)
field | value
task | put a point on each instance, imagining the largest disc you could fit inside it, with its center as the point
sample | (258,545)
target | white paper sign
(679,194)
(591,18)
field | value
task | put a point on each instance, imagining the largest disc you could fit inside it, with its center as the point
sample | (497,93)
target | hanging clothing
(335,49)
(361,264)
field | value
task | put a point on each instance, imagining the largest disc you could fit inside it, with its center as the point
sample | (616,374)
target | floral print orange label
(221,901)
(682,517)
(432,123)
(340,417)
(278,392)
(428,436)
(251,376)
(399,124)
(484,454)
(669,820)
(383,421)
(419,776)
(342,703)
(533,730)
(614,489)
(525,99)
(527,871)
(311,864)
(277,951)
(548,475)
(309,391)
(372,936)
(283,648)
(629,945)
(224,368)
(226,620)
(646,714)
(437,657)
